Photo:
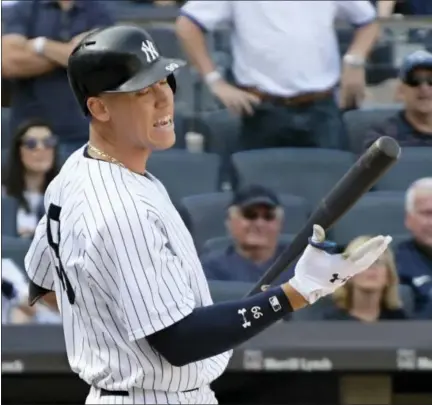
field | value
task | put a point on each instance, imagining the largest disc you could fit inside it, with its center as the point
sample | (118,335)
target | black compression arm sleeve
(214,329)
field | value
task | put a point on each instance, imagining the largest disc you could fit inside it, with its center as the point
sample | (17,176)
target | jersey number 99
(53,233)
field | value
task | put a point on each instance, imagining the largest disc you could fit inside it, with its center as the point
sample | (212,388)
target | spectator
(38,37)
(413,125)
(32,164)
(414,256)
(15,297)
(286,66)
(372,295)
(254,221)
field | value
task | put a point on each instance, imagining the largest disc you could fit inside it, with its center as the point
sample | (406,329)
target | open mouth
(163,122)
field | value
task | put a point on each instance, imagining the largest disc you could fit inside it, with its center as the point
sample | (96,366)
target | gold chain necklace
(105,155)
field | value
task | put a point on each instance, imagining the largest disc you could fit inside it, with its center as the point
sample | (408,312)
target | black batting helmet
(117,59)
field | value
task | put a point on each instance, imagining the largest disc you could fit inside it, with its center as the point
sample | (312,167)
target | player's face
(375,278)
(256,226)
(419,222)
(38,149)
(144,117)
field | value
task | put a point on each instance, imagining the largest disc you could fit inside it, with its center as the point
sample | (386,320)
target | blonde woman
(371,295)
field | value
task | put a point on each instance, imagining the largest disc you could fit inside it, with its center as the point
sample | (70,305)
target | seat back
(9,216)
(413,164)
(184,174)
(375,213)
(307,172)
(358,122)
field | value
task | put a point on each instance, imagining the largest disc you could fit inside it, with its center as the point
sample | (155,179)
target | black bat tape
(359,179)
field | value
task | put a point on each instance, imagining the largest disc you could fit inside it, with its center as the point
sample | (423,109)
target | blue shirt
(228,265)
(415,269)
(49,96)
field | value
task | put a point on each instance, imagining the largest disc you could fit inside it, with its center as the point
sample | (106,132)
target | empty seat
(5,128)
(375,213)
(220,129)
(358,122)
(9,215)
(184,174)
(206,215)
(222,242)
(414,163)
(15,248)
(307,172)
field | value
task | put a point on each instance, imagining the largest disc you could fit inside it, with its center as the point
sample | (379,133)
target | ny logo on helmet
(148,48)
(171,67)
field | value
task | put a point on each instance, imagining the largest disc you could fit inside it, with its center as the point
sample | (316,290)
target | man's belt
(298,100)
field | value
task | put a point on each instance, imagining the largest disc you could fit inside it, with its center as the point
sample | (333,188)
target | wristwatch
(354,60)
(39,45)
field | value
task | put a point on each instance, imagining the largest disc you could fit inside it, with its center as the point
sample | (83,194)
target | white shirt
(131,269)
(27,221)
(282,47)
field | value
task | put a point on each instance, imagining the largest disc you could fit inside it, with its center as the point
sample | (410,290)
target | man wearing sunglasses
(254,221)
(412,126)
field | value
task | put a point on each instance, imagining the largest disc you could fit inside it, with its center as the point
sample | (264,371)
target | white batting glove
(319,273)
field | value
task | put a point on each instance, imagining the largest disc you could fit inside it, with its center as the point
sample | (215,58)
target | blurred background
(278,100)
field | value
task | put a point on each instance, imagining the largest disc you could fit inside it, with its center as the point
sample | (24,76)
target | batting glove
(319,273)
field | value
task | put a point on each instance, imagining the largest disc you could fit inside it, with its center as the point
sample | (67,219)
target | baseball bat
(358,180)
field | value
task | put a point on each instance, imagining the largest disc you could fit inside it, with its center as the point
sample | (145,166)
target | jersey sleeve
(152,280)
(208,14)
(357,12)
(37,261)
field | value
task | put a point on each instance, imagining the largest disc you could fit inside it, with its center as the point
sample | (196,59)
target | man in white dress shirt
(286,65)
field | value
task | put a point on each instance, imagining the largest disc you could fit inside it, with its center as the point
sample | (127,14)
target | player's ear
(98,109)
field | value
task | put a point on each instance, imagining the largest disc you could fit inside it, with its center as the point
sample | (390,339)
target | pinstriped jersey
(123,266)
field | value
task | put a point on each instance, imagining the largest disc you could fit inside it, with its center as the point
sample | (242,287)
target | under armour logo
(335,277)
(149,49)
(246,323)
(171,67)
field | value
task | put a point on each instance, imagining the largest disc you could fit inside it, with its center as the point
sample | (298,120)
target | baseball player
(139,322)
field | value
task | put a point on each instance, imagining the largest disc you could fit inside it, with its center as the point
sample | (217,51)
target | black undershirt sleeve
(214,329)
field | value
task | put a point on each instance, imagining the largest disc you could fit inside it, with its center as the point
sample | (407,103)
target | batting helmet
(117,59)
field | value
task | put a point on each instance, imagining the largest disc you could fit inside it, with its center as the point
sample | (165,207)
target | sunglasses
(418,81)
(33,143)
(253,215)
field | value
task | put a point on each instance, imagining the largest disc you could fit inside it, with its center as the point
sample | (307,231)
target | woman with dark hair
(32,164)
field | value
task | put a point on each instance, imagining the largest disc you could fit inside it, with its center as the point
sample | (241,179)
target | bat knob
(388,146)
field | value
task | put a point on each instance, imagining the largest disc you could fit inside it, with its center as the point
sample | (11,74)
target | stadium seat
(375,213)
(8,215)
(4,157)
(15,248)
(222,242)
(206,215)
(414,163)
(407,297)
(228,290)
(5,128)
(314,312)
(220,129)
(358,122)
(307,172)
(184,174)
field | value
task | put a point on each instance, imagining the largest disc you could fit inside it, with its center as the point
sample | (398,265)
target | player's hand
(319,273)
(353,87)
(236,100)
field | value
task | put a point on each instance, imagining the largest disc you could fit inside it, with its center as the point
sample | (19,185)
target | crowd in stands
(284,118)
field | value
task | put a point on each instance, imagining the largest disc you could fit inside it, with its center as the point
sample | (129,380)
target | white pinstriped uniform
(133,268)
